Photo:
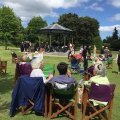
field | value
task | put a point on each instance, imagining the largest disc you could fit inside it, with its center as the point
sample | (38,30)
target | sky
(107,12)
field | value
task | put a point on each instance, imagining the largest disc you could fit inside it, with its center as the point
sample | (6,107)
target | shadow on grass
(115,72)
(4,106)
(6,83)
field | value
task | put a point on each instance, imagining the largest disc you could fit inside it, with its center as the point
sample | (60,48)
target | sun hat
(35,63)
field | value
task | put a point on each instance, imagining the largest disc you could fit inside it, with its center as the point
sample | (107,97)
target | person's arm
(49,78)
(68,73)
(88,83)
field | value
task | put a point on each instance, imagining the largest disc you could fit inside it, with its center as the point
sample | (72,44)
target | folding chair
(102,93)
(3,66)
(63,100)
(28,94)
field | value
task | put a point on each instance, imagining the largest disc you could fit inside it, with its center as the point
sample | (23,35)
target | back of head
(23,58)
(100,69)
(62,68)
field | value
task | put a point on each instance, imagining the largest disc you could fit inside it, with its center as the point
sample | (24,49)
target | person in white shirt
(37,66)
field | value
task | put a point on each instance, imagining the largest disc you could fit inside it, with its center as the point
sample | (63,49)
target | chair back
(74,62)
(101,92)
(66,93)
(3,66)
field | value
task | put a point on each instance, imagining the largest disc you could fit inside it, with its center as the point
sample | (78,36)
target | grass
(6,87)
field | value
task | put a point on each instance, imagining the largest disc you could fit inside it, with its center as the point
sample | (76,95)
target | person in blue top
(64,79)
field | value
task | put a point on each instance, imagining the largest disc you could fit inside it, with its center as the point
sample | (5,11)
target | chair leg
(75,105)
(84,102)
(29,108)
(110,110)
(45,105)
(50,107)
(26,111)
(64,109)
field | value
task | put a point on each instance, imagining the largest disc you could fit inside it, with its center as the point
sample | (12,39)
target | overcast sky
(107,12)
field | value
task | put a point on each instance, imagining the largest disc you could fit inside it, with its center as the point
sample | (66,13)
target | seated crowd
(33,67)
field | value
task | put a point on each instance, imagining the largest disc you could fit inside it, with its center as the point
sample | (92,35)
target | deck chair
(28,95)
(3,66)
(75,66)
(14,57)
(103,93)
(63,100)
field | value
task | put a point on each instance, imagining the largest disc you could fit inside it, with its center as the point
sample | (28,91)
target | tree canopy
(33,28)
(86,29)
(114,40)
(10,26)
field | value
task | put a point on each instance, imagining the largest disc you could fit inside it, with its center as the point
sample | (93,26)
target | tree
(10,25)
(70,21)
(86,29)
(114,40)
(97,42)
(33,28)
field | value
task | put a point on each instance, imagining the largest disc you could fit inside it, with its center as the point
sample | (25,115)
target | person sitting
(64,79)
(109,61)
(75,63)
(98,78)
(37,66)
(22,67)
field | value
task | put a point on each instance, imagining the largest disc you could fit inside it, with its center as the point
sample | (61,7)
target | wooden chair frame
(3,66)
(63,108)
(26,110)
(86,103)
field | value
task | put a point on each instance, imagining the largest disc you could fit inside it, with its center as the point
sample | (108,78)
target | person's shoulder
(36,70)
(72,78)
(93,77)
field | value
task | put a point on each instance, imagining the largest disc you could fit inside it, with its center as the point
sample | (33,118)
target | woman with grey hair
(37,66)
(99,75)
(98,78)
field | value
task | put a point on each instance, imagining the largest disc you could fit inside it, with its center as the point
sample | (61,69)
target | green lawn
(6,87)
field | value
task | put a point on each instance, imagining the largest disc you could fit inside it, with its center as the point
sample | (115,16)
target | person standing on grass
(118,62)
(102,50)
(89,50)
(94,51)
(84,54)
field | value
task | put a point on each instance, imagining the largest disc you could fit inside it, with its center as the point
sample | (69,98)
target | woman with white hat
(37,66)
